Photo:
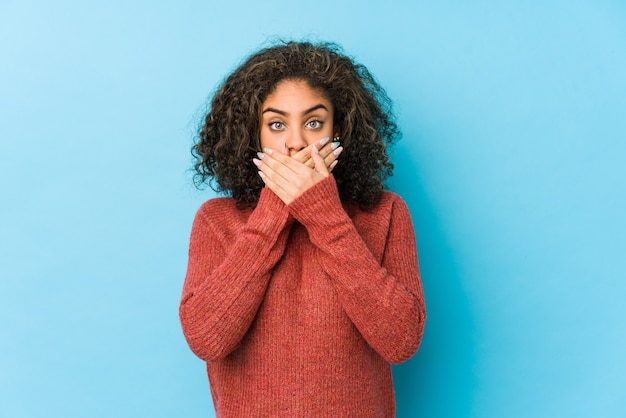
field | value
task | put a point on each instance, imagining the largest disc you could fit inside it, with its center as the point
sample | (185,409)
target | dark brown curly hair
(230,135)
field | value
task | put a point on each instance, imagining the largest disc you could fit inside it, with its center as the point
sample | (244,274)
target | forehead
(295,94)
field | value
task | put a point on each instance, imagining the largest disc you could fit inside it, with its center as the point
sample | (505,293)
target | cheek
(268,140)
(313,137)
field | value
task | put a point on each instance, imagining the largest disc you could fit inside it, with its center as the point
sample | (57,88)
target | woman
(302,286)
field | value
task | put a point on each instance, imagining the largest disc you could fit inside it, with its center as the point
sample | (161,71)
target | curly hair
(230,135)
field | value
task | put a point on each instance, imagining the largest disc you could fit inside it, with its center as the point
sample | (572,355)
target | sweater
(298,310)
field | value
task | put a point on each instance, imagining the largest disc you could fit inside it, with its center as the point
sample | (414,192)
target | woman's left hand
(287,177)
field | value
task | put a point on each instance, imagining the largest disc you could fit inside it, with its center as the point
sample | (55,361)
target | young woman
(303,285)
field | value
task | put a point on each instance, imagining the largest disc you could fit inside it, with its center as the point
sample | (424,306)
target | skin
(296,123)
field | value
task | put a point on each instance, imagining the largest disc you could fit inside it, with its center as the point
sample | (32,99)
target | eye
(315,124)
(277,126)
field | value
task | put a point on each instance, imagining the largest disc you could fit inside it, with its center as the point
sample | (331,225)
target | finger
(324,145)
(331,159)
(327,149)
(320,166)
(326,152)
(283,164)
(280,185)
(270,175)
(328,157)
(278,191)
(269,165)
(304,155)
(280,170)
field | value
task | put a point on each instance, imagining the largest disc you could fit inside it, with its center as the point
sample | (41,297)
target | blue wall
(513,164)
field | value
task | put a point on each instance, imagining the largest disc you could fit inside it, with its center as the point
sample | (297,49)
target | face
(295,116)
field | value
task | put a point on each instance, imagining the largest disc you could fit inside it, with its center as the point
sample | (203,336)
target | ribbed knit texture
(299,309)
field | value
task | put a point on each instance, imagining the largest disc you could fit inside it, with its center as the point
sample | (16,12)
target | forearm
(378,285)
(388,313)
(226,281)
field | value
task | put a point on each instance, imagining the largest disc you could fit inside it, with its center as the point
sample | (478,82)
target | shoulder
(376,224)
(221,210)
(390,210)
(217,204)
(390,198)
(388,204)
(219,220)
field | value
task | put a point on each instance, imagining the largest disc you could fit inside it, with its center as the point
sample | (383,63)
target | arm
(382,296)
(226,281)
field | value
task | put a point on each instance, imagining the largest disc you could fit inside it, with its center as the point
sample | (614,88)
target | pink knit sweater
(299,309)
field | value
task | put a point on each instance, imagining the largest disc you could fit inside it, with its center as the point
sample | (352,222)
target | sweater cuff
(270,214)
(317,204)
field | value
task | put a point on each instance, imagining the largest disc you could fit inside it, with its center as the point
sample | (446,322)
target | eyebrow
(282,112)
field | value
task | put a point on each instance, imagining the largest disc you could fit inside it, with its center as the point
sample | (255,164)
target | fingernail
(323,141)
(260,155)
(261,174)
(333,164)
(267,151)
(334,145)
(257,162)
(338,151)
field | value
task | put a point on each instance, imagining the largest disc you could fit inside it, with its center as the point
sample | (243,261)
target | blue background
(513,164)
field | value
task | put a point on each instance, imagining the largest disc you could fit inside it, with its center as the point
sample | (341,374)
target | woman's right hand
(328,150)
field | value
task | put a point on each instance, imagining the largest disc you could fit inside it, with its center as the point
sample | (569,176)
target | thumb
(320,165)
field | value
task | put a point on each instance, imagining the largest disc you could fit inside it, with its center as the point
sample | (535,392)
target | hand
(287,177)
(329,151)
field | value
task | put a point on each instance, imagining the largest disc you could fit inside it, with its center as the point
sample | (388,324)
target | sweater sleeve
(226,281)
(383,299)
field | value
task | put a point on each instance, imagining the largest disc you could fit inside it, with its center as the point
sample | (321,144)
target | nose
(295,142)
